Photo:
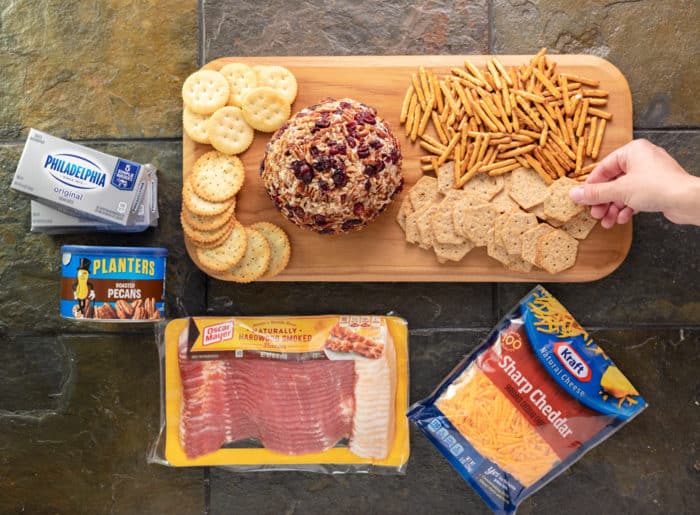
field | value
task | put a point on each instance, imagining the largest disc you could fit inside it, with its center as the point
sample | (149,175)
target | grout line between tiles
(89,141)
(490,35)
(495,302)
(427,331)
(201,30)
(206,483)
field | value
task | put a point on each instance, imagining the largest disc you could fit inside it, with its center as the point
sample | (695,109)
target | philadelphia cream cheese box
(46,219)
(80,181)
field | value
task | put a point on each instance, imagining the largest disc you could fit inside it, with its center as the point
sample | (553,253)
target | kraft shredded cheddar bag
(527,403)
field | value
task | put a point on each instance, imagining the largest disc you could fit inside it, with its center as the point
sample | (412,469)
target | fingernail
(576,194)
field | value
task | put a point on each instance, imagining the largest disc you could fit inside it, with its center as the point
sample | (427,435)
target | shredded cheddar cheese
(554,318)
(496,429)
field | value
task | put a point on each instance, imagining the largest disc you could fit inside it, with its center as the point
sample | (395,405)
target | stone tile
(77,417)
(424,305)
(652,43)
(344,28)
(655,283)
(95,71)
(30,263)
(624,474)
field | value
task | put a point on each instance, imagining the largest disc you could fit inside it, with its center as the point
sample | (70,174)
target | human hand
(638,177)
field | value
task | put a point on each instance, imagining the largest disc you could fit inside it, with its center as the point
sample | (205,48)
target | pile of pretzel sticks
(499,119)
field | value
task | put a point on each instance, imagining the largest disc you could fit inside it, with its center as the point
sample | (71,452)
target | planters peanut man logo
(82,289)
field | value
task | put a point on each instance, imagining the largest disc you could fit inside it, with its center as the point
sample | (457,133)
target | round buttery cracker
(228,131)
(217,177)
(195,125)
(255,260)
(265,109)
(208,245)
(280,249)
(228,253)
(200,206)
(241,79)
(279,78)
(206,237)
(205,91)
(208,223)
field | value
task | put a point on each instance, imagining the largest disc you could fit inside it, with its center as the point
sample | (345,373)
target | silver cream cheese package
(45,219)
(80,181)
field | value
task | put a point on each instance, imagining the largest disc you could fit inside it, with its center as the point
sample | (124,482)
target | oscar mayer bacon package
(527,403)
(317,393)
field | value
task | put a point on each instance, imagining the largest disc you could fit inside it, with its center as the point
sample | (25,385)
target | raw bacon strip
(375,391)
(203,383)
(301,407)
(290,407)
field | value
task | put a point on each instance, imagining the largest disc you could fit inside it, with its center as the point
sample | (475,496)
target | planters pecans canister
(113,283)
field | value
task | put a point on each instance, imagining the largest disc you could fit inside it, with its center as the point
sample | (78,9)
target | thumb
(598,193)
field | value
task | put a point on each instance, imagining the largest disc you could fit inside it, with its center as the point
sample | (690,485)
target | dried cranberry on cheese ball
(333,167)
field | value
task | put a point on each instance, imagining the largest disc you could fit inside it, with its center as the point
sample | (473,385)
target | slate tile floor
(79,410)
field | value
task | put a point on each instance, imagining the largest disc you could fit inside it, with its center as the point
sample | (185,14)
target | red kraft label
(562,421)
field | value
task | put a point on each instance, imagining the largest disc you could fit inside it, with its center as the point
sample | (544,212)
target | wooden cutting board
(379,252)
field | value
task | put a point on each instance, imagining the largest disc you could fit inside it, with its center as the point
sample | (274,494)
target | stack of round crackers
(223,246)
(223,108)
(522,221)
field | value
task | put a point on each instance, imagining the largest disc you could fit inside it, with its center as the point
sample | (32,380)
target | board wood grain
(379,252)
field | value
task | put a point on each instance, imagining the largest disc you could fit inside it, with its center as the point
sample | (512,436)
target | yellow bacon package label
(281,334)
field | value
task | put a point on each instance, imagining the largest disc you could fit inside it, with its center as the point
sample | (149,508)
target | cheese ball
(333,167)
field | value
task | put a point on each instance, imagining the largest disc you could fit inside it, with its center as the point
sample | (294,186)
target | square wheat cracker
(556,251)
(477,222)
(425,230)
(446,177)
(581,225)
(443,225)
(424,193)
(513,230)
(530,239)
(485,185)
(452,252)
(528,188)
(538,211)
(558,203)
